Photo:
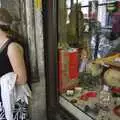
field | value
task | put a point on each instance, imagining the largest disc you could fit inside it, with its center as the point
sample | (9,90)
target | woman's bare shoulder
(15,47)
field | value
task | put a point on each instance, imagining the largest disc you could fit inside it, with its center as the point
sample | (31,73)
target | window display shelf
(90,31)
(73,109)
(87,110)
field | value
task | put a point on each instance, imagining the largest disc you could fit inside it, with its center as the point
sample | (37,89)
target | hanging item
(75,27)
(116,22)
(93,10)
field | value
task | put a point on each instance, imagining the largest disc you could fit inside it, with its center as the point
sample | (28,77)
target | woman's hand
(16,56)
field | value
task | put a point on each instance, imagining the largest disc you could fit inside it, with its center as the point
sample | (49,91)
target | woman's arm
(16,56)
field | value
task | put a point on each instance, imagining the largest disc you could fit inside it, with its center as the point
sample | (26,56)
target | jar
(105,96)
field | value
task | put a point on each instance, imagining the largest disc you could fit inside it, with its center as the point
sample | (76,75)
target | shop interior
(89,58)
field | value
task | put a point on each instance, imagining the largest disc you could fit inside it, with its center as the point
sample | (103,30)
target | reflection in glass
(88,58)
(102,1)
(74,1)
(68,3)
(85,12)
(102,15)
(68,13)
(83,2)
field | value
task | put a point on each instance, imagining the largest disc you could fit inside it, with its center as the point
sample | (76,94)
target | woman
(11,54)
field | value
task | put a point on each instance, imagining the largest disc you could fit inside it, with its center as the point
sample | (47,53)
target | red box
(68,69)
(73,65)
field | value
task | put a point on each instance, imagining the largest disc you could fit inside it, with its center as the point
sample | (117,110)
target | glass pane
(89,58)
(68,18)
(68,3)
(74,1)
(102,14)
(85,12)
(111,1)
(83,2)
(102,1)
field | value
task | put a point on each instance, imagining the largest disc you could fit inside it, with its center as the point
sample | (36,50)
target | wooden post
(39,36)
(31,38)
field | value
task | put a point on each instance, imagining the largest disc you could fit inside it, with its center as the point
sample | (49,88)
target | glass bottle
(105,96)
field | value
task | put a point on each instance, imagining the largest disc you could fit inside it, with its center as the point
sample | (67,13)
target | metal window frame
(50,29)
(50,56)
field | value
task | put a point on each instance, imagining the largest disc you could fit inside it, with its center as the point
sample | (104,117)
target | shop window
(89,59)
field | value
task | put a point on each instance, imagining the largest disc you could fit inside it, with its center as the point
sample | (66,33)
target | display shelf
(78,110)
(79,114)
